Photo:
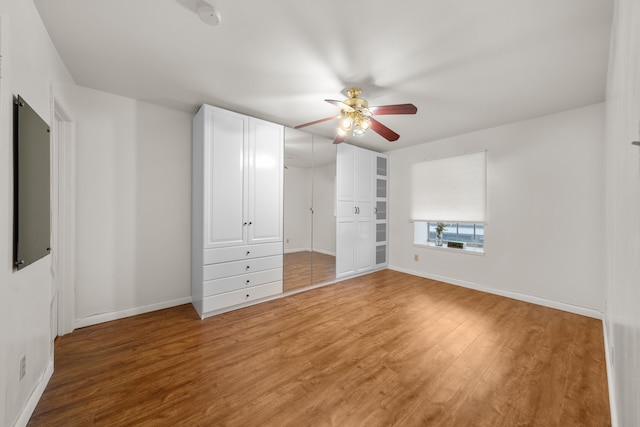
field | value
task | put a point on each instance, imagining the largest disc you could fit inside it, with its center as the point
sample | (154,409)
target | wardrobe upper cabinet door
(346,182)
(364,183)
(225,189)
(266,173)
(364,180)
(346,164)
(354,182)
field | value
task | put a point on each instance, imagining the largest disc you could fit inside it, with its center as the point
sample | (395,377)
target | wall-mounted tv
(31,180)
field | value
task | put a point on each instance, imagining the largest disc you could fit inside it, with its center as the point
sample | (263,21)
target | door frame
(63,219)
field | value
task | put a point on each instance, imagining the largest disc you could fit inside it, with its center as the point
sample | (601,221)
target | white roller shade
(452,189)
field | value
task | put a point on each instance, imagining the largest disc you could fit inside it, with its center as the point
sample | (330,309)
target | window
(452,191)
(471,234)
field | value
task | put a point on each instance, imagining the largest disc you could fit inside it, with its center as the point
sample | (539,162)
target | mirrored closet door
(309,210)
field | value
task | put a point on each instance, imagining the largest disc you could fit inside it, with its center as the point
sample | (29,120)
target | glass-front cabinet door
(381,222)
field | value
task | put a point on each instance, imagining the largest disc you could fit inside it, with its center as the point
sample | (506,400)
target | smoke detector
(208,14)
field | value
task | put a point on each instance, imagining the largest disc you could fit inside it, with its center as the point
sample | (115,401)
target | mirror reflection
(309,210)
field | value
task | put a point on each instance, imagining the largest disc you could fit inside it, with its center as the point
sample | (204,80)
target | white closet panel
(358,217)
(237,210)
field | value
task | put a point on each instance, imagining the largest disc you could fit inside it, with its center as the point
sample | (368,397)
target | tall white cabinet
(237,210)
(357,218)
(381,211)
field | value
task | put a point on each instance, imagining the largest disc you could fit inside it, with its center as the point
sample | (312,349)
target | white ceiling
(466,64)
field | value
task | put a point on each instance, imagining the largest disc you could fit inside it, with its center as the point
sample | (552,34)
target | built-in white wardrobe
(381,211)
(237,210)
(361,201)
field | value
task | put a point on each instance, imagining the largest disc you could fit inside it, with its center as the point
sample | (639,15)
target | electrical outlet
(416,257)
(23,366)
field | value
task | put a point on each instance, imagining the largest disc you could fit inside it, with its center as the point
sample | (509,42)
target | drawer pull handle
(248,267)
(247,295)
(248,252)
(248,281)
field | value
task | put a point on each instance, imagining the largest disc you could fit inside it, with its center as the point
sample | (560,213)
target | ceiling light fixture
(355,116)
(356,119)
(208,14)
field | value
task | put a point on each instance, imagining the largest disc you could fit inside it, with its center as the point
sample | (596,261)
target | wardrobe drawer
(227,269)
(235,253)
(229,299)
(234,283)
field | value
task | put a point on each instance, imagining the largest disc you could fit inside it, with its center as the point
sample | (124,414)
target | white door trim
(63,260)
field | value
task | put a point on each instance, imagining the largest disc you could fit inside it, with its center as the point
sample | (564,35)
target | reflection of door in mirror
(309,219)
(324,214)
(298,167)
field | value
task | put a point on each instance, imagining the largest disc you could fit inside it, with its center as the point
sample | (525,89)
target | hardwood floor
(378,350)
(303,269)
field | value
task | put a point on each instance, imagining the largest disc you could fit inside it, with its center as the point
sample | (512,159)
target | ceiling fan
(356,116)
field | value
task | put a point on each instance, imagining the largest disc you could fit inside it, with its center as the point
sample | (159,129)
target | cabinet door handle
(250,222)
(244,224)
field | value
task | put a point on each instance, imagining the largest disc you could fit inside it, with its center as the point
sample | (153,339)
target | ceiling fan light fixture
(356,117)
(361,124)
(346,122)
(366,123)
(358,131)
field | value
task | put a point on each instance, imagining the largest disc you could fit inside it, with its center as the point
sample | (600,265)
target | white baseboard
(106,317)
(294,250)
(322,251)
(32,402)
(610,374)
(353,276)
(589,312)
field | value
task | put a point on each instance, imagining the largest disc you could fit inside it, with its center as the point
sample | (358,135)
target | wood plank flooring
(305,268)
(386,349)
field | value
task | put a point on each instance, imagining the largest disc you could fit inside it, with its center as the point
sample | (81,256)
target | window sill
(465,250)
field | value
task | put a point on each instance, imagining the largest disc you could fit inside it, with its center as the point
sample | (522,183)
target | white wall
(544,234)
(31,68)
(622,317)
(133,208)
(297,201)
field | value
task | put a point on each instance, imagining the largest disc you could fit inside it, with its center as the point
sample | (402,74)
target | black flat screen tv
(31,181)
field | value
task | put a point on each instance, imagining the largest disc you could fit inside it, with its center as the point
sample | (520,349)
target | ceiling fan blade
(315,122)
(340,105)
(394,109)
(339,138)
(383,131)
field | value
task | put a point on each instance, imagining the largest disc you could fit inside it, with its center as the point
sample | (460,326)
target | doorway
(63,222)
